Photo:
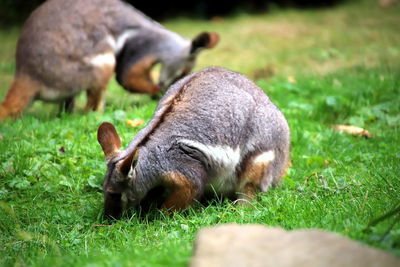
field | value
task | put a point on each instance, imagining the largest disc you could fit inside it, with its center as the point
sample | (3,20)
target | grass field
(320,67)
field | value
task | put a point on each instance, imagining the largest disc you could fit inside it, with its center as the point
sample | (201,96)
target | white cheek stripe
(122,38)
(221,156)
(265,157)
(106,59)
(223,160)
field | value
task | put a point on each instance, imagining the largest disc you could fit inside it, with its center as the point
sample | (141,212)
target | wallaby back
(227,119)
(213,131)
(163,108)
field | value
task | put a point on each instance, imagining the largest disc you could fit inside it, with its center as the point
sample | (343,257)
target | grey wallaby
(69,46)
(213,131)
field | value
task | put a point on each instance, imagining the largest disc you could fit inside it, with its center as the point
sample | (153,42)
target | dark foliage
(16,11)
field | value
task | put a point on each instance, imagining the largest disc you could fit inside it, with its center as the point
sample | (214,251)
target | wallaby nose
(112,206)
(157,88)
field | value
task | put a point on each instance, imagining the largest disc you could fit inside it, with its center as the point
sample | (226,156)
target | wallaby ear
(128,162)
(108,139)
(204,40)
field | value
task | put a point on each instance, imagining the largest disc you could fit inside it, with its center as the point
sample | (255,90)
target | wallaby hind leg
(182,191)
(67,105)
(255,177)
(95,99)
(19,97)
(95,94)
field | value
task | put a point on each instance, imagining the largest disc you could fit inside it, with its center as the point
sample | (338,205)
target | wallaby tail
(19,96)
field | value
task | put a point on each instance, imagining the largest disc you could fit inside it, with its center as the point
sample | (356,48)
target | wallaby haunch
(213,131)
(69,46)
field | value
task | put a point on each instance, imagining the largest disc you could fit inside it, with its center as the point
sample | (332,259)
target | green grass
(321,67)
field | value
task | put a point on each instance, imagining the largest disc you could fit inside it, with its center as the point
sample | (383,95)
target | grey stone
(256,245)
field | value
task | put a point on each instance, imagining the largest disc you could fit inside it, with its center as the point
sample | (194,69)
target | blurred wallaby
(68,46)
(213,131)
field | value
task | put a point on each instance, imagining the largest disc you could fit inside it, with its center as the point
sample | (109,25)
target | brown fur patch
(138,78)
(182,191)
(95,95)
(250,179)
(19,96)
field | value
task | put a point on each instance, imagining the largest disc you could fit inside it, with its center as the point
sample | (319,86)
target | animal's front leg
(67,105)
(182,191)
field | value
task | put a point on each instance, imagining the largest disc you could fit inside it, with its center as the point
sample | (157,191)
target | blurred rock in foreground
(257,245)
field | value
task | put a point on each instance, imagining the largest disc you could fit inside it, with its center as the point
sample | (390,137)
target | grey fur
(61,33)
(69,46)
(216,108)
